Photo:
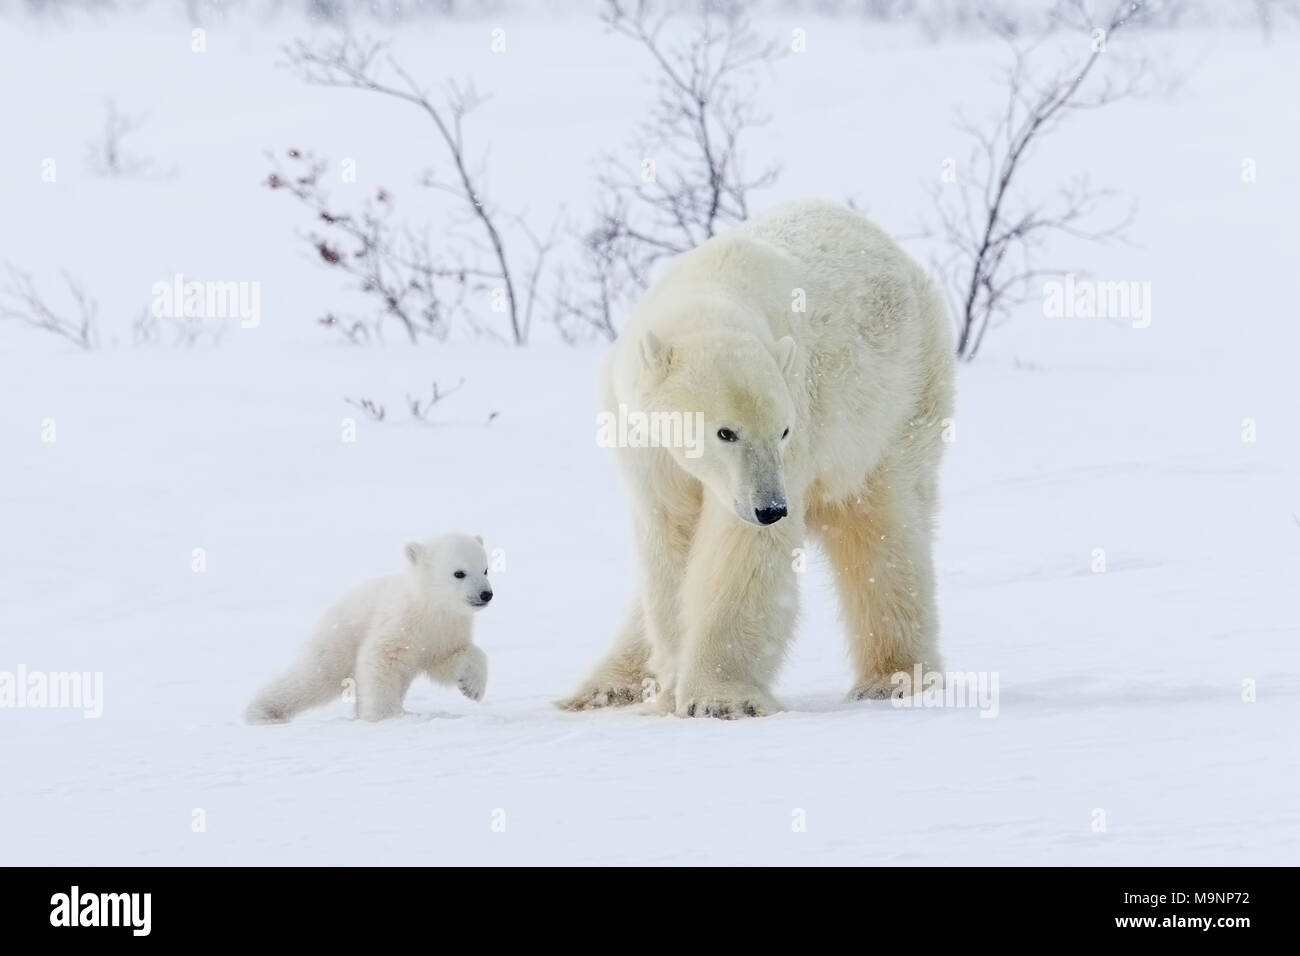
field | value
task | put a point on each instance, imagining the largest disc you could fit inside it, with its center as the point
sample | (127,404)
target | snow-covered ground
(1120,691)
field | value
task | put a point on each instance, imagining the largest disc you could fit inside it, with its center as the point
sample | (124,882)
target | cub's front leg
(467,668)
(739,602)
(472,674)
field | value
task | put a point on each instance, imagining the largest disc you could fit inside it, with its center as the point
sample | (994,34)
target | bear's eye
(459,574)
(726,434)
(785,434)
(485,571)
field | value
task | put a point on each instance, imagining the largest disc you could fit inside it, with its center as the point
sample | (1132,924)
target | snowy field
(1120,690)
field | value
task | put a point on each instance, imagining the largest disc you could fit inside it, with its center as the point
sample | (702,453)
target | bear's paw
(472,678)
(592,696)
(887,686)
(728,704)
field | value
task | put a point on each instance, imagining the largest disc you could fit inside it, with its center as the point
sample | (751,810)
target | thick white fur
(382,633)
(863,378)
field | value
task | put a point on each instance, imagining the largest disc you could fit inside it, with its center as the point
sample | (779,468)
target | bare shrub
(389,262)
(22,302)
(373,410)
(418,406)
(692,181)
(994,230)
(368,66)
(107,154)
(185,331)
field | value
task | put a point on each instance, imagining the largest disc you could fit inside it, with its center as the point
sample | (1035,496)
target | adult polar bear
(819,355)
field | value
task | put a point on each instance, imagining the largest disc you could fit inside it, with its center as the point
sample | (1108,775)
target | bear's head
(738,388)
(451,570)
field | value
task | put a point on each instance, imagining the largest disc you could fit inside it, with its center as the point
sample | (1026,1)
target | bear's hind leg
(383,676)
(301,687)
(880,548)
(621,676)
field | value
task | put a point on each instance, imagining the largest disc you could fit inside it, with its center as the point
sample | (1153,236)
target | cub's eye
(786,433)
(485,571)
(726,434)
(459,574)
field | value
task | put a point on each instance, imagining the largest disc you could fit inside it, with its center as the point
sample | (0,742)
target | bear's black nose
(770,515)
(485,596)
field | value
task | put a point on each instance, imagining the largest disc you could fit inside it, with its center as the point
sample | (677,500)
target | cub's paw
(592,696)
(264,715)
(370,714)
(727,704)
(472,679)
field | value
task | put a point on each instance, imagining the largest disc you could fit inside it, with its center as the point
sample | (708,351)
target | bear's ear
(786,350)
(478,538)
(656,356)
(414,552)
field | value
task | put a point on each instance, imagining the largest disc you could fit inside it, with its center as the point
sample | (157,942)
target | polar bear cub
(383,633)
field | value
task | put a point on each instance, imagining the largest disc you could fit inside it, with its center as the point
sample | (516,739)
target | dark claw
(690,711)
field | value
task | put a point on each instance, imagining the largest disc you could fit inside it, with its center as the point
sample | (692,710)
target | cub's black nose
(770,515)
(485,596)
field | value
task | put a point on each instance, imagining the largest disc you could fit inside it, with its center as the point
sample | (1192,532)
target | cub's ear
(786,350)
(656,356)
(414,552)
(478,538)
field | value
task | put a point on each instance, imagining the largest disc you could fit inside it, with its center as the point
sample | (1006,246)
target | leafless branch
(351,64)
(107,155)
(187,331)
(21,301)
(420,408)
(417,406)
(389,263)
(993,231)
(373,410)
(692,181)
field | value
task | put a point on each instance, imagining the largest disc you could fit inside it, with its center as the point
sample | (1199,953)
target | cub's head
(451,569)
(733,393)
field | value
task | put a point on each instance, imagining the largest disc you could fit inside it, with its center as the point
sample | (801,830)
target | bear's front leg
(466,667)
(739,602)
(472,672)
(644,657)
(621,676)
